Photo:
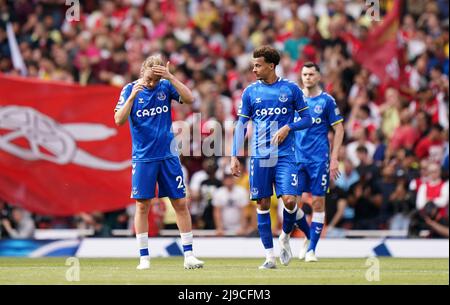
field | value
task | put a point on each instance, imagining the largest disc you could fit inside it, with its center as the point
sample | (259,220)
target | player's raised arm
(123,108)
(184,92)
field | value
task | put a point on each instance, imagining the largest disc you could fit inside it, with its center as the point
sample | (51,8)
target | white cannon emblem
(51,141)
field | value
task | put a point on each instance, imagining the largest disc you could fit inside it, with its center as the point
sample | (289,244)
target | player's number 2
(179,179)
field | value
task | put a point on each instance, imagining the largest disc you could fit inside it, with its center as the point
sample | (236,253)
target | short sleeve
(124,95)
(333,112)
(245,109)
(174,95)
(299,102)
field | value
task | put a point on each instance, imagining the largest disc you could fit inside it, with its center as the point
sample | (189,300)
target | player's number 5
(294,180)
(324,180)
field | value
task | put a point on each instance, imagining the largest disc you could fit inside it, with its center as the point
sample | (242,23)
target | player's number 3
(294,180)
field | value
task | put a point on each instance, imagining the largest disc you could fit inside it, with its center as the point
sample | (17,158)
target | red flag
(381,52)
(60,151)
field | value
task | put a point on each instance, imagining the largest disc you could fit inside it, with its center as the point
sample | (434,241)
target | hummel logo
(141,100)
(258,100)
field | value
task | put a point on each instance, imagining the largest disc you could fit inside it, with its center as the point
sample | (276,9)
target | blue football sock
(265,229)
(289,219)
(316,229)
(302,223)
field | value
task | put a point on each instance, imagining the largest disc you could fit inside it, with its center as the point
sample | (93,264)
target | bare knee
(263,204)
(179,205)
(289,202)
(142,207)
(318,204)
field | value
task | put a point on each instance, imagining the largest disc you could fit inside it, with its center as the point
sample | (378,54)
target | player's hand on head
(162,71)
(139,86)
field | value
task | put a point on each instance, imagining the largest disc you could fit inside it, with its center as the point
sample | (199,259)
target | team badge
(283,97)
(255,191)
(318,109)
(161,96)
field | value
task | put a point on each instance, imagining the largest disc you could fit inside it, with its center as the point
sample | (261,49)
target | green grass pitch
(169,271)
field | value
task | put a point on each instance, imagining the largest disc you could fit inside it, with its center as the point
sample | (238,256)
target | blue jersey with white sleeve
(312,144)
(270,107)
(151,121)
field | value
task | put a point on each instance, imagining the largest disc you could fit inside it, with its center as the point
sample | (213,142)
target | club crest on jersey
(134,191)
(255,191)
(161,96)
(283,97)
(318,109)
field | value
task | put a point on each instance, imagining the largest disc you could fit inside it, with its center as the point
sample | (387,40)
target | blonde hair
(153,60)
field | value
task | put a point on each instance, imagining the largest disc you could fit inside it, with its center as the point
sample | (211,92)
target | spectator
(366,199)
(366,166)
(432,146)
(434,190)
(229,202)
(20,225)
(401,203)
(335,211)
(207,189)
(361,140)
(430,221)
(348,177)
(390,111)
(405,135)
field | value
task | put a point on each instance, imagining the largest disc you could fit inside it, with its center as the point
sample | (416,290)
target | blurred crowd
(394,160)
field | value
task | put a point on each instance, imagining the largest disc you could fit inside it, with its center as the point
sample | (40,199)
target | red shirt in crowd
(404,137)
(432,149)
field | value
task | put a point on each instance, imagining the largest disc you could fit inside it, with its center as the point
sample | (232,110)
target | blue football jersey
(151,121)
(312,144)
(270,107)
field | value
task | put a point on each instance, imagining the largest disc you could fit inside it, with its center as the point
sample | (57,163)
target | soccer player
(146,103)
(313,156)
(271,103)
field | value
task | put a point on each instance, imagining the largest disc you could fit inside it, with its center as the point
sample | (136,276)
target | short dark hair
(270,54)
(310,64)
(437,127)
(362,149)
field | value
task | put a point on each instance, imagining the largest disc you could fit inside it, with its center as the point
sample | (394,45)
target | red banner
(60,151)
(381,52)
